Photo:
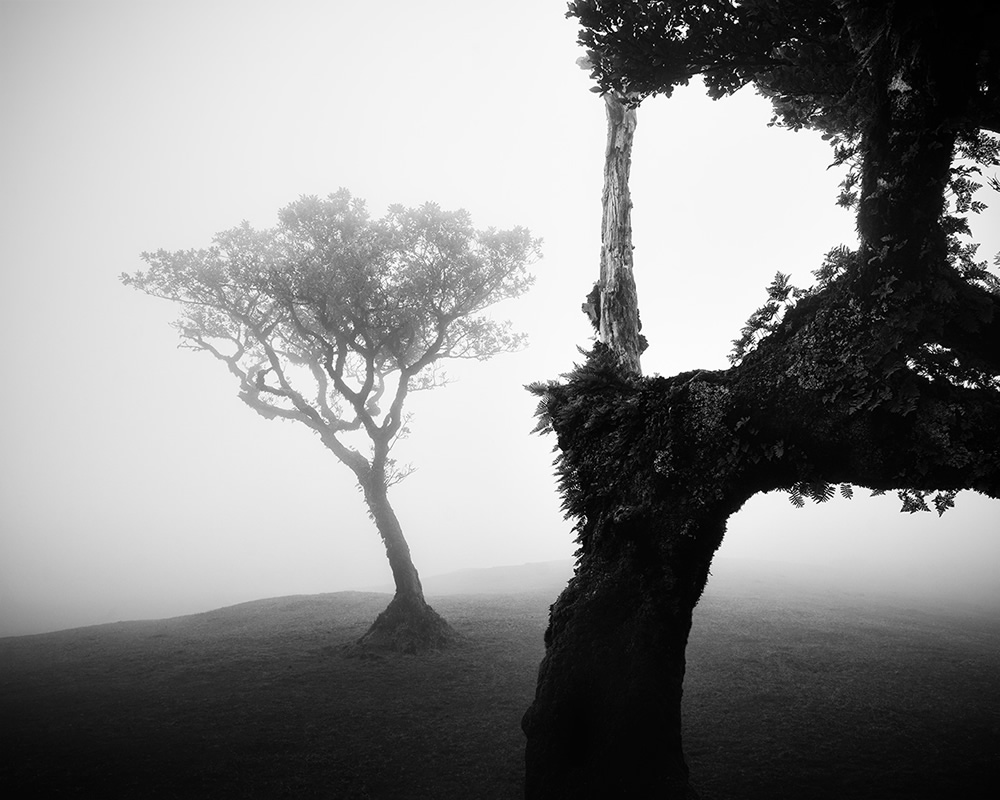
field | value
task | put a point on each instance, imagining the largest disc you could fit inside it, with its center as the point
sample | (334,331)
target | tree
(884,375)
(331,319)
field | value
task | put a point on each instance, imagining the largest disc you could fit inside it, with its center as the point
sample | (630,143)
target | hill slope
(790,693)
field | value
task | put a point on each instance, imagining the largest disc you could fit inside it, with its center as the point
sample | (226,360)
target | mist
(134,484)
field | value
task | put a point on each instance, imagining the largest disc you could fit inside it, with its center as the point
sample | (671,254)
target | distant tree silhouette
(885,374)
(331,319)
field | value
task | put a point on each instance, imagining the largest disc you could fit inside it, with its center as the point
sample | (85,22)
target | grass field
(789,694)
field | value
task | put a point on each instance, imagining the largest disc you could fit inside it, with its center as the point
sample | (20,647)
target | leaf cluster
(818,492)
(331,315)
(781,295)
(914,500)
(608,431)
(806,56)
(647,47)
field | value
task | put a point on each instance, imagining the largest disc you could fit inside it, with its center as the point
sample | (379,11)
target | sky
(134,484)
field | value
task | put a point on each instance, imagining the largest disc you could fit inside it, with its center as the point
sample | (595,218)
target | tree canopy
(331,318)
(319,316)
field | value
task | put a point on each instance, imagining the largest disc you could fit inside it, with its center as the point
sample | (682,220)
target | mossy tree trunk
(849,389)
(606,717)
(652,468)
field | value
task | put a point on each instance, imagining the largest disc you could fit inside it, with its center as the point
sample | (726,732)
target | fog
(134,484)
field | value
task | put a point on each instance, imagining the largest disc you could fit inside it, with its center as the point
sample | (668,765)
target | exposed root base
(408,625)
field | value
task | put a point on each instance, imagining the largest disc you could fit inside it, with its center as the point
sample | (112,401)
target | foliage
(780,295)
(820,65)
(908,314)
(649,47)
(329,312)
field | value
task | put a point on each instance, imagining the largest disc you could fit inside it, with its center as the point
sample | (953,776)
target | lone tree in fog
(331,319)
(885,374)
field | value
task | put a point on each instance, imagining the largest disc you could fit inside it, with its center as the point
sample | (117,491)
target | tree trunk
(651,468)
(408,624)
(845,390)
(606,719)
(618,326)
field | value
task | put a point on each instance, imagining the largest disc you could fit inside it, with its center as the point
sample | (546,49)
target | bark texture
(652,468)
(850,388)
(606,717)
(618,326)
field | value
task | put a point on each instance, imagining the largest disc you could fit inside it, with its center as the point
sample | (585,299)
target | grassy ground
(805,699)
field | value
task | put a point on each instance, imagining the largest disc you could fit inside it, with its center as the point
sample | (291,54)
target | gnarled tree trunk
(844,391)
(606,721)
(408,624)
(652,468)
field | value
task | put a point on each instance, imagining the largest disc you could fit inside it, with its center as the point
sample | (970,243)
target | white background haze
(133,483)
